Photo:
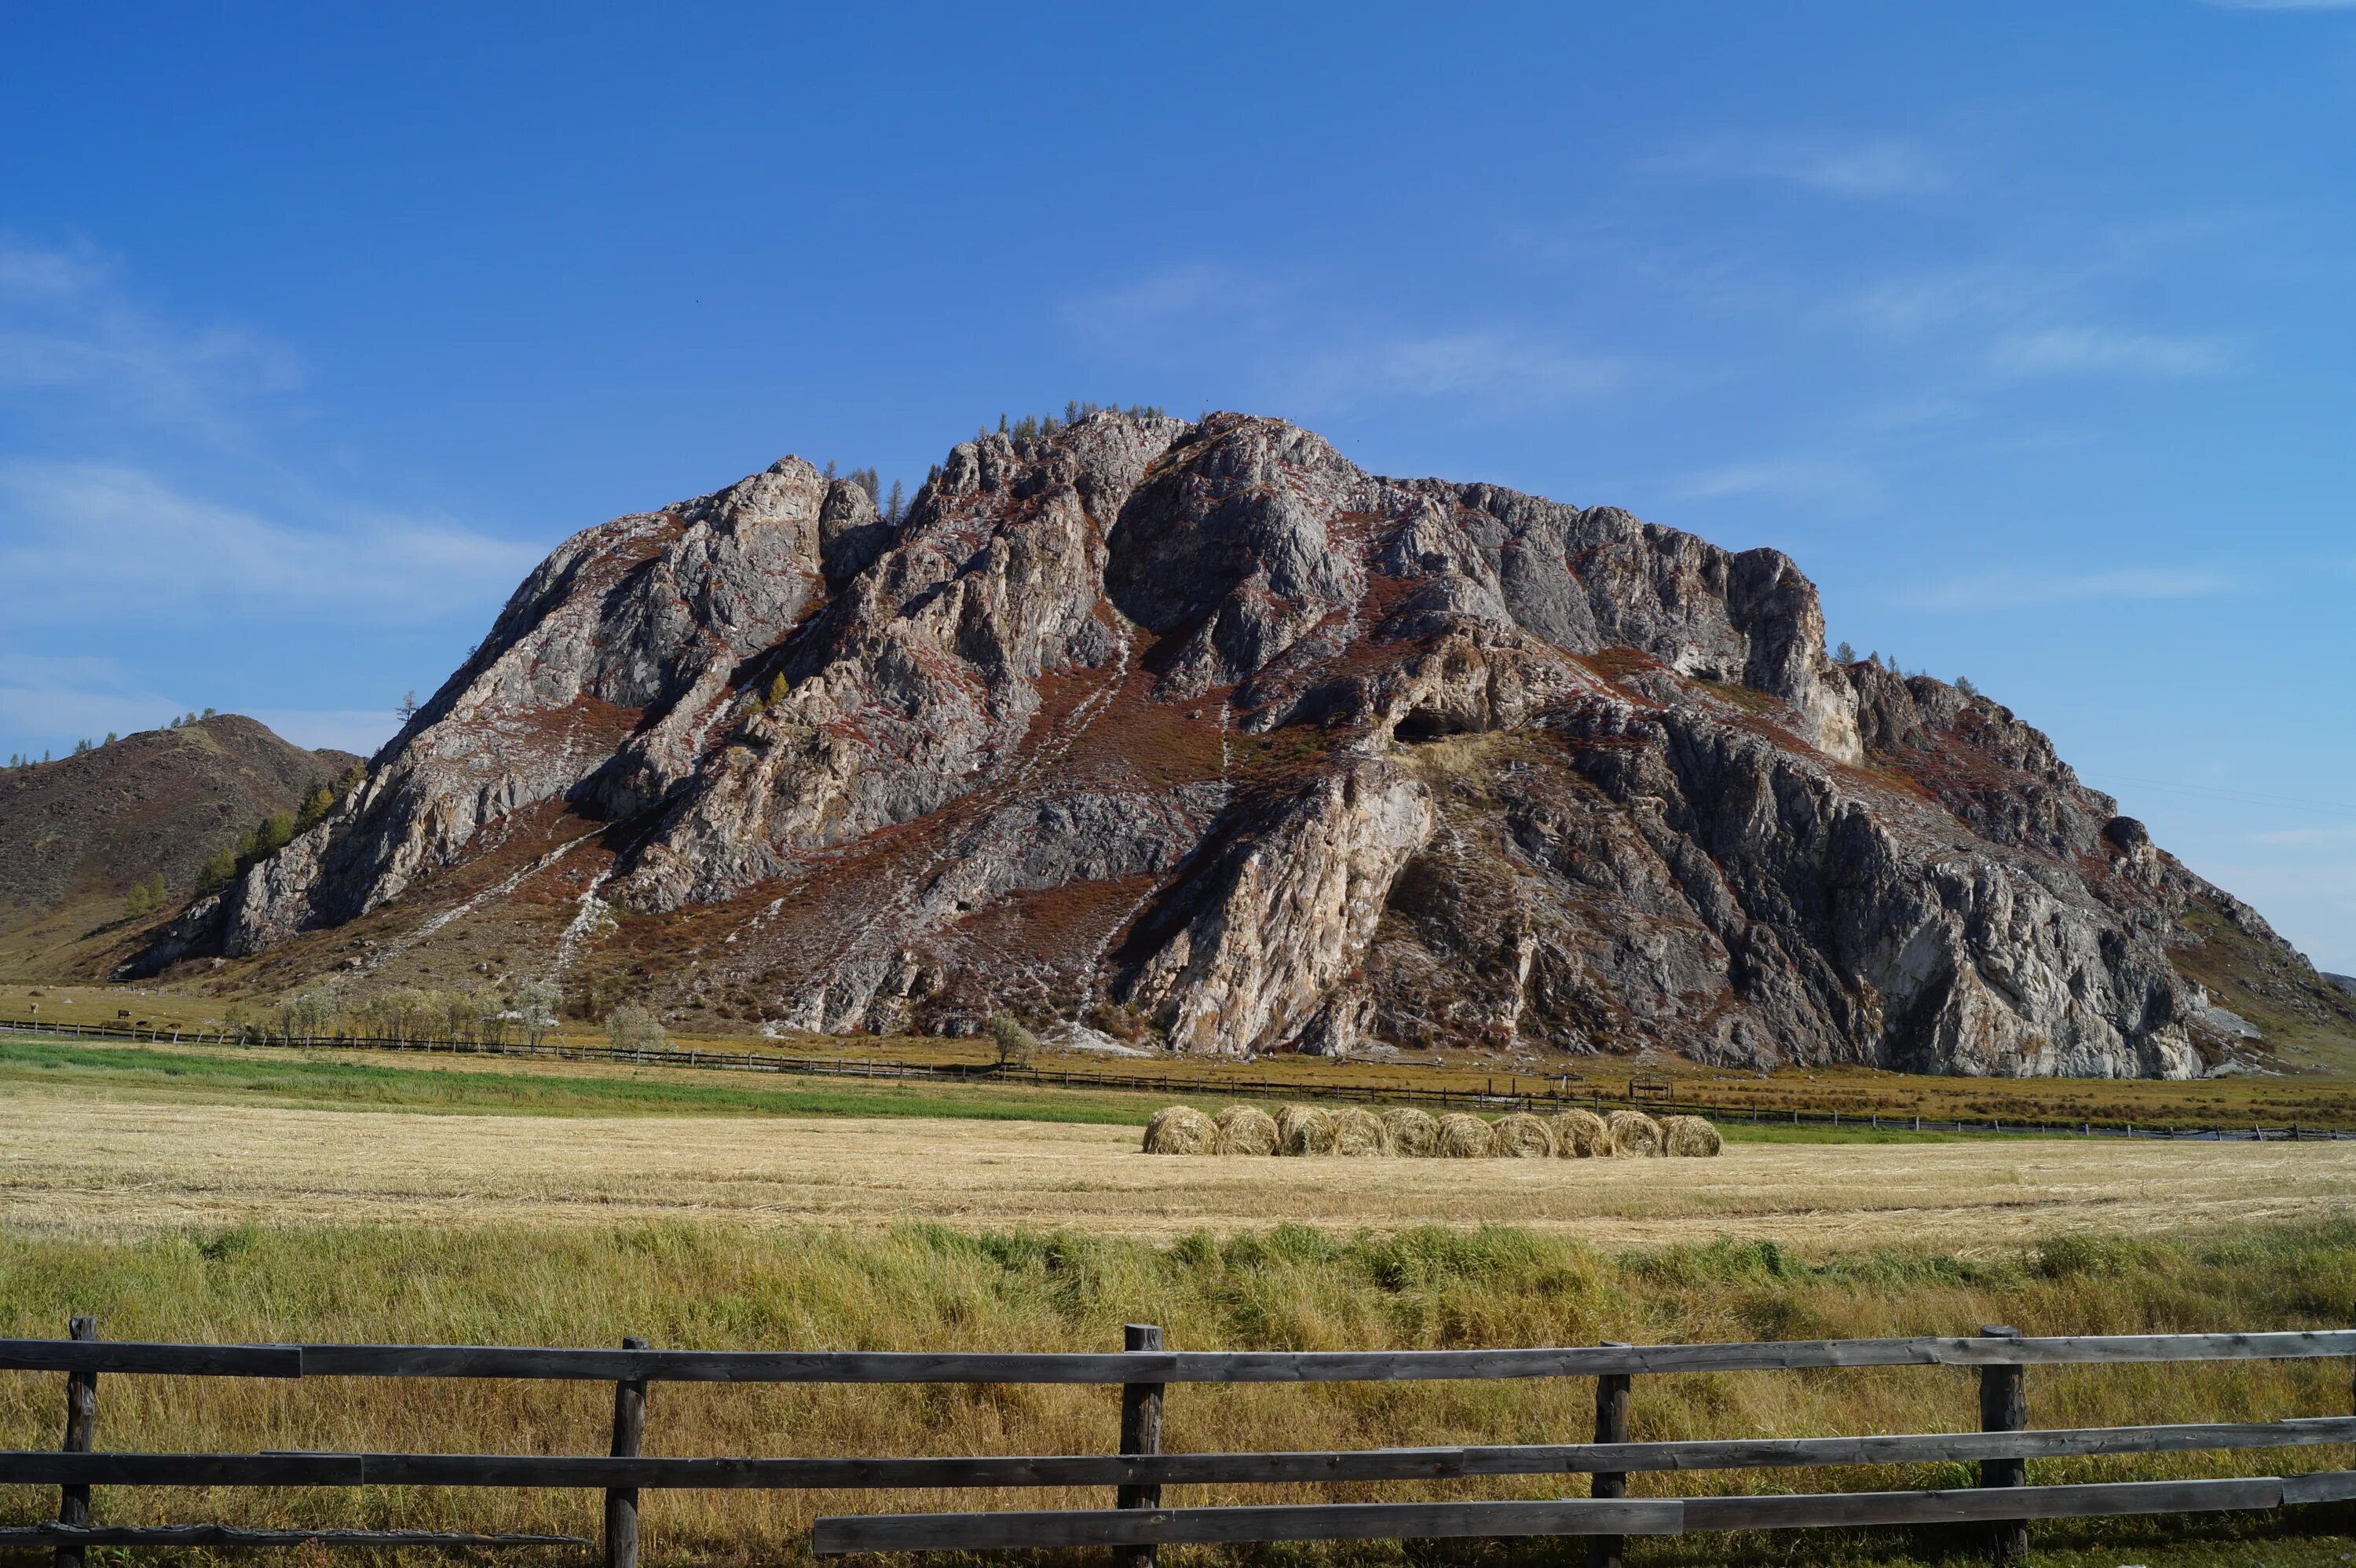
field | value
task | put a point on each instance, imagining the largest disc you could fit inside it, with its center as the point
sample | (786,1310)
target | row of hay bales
(1313,1130)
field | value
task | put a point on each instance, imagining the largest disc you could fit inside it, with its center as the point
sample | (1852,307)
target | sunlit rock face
(1200,735)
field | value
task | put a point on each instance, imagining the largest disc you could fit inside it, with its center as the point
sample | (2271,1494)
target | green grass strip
(314,1080)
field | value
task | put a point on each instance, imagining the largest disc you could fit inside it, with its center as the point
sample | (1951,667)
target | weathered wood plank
(839,1534)
(622,1503)
(1982,1505)
(233,1535)
(2320,1486)
(81,1431)
(45,1468)
(1615,1392)
(1169,1366)
(134,1355)
(1178,1366)
(1141,1435)
(2083,1349)
(2004,1407)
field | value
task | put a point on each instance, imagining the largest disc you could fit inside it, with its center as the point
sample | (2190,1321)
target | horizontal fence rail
(1512,1097)
(1154,1366)
(594,1471)
(1139,1522)
(69,1537)
(1569,1516)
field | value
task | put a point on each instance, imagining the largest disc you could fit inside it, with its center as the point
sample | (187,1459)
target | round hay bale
(1413,1132)
(1520,1136)
(1582,1135)
(1689,1137)
(1181,1129)
(1304,1130)
(1463,1137)
(1247,1129)
(1633,1133)
(1360,1133)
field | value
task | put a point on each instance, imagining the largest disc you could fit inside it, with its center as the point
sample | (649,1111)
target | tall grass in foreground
(926,1287)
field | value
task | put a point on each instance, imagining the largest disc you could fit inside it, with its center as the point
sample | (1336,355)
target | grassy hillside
(76,834)
(911,1287)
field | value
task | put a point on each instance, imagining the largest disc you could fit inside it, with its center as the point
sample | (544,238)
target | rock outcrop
(1200,735)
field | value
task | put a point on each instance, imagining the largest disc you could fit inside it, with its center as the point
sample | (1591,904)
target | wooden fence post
(1140,1433)
(1611,1394)
(81,1431)
(2004,1407)
(622,1503)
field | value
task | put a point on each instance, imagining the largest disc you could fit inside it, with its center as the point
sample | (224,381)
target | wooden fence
(1518,1094)
(1139,1521)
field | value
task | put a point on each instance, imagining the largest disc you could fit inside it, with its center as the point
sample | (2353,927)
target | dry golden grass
(80,1166)
(1246,1130)
(1634,1134)
(723,1286)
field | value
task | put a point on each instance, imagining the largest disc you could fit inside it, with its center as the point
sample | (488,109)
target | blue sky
(2027,328)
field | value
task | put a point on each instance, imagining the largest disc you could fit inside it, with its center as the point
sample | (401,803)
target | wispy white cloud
(1911,305)
(1277,334)
(1184,297)
(1837,481)
(101,539)
(47,272)
(2022,322)
(1482,365)
(1861,169)
(72,340)
(2083,350)
(2294,837)
(2017,590)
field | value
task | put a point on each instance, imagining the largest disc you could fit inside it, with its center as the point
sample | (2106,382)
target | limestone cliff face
(1202,735)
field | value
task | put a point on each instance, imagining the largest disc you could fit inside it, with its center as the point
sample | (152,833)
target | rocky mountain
(1200,735)
(76,834)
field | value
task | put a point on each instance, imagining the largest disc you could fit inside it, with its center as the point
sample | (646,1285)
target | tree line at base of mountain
(491,1015)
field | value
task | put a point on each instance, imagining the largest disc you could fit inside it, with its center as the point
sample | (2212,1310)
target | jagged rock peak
(1201,733)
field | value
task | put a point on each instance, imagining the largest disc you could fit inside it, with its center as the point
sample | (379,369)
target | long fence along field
(1998,1507)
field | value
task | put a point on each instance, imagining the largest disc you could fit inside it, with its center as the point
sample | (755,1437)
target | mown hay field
(68,1164)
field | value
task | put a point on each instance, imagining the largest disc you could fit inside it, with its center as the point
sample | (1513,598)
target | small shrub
(1014,1043)
(632,1028)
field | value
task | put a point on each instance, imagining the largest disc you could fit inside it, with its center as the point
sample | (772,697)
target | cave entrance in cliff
(1426,724)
